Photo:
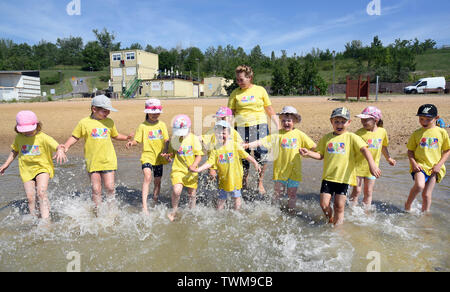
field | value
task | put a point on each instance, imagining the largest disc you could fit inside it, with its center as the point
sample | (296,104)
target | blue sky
(293,25)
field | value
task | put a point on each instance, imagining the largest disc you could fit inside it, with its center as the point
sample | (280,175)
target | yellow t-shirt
(227,159)
(339,153)
(428,146)
(248,105)
(153,138)
(210,140)
(288,161)
(375,140)
(184,155)
(99,151)
(35,155)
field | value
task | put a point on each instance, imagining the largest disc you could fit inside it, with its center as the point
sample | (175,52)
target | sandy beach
(60,117)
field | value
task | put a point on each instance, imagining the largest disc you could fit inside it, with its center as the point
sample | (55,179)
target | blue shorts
(289,183)
(427,177)
(223,195)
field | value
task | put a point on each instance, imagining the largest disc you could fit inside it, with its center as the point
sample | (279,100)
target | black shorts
(156,169)
(333,188)
(252,134)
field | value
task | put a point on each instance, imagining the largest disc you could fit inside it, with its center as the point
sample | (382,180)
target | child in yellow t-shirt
(287,166)
(100,156)
(34,149)
(428,150)
(338,149)
(186,150)
(209,140)
(377,140)
(227,157)
(154,137)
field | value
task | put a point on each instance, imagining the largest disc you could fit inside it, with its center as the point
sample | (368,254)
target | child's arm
(9,160)
(254,162)
(388,157)
(165,153)
(412,161)
(60,154)
(69,143)
(309,153)
(131,143)
(201,168)
(441,162)
(374,170)
(122,137)
(252,145)
(194,165)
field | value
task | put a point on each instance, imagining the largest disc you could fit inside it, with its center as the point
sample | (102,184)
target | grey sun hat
(342,112)
(290,110)
(103,101)
(222,124)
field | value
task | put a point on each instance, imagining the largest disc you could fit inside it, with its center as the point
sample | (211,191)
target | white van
(424,85)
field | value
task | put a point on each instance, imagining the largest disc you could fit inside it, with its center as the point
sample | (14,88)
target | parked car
(426,85)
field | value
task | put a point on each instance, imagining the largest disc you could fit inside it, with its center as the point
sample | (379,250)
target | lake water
(260,237)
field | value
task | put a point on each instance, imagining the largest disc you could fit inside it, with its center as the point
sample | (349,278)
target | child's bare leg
(339,207)
(292,194)
(368,192)
(30,191)
(156,188)
(325,200)
(419,185)
(261,188)
(427,192)
(108,181)
(42,186)
(212,174)
(192,196)
(221,204)
(176,193)
(356,192)
(279,191)
(146,188)
(237,203)
(96,184)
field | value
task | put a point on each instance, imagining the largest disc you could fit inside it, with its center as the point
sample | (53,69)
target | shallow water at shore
(260,237)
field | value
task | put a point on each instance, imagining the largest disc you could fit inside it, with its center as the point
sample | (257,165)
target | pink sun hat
(153,106)
(181,125)
(26,121)
(370,112)
(223,112)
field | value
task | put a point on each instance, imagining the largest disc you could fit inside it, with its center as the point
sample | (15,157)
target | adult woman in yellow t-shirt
(250,104)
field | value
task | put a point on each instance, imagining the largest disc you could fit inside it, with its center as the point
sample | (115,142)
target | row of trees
(290,75)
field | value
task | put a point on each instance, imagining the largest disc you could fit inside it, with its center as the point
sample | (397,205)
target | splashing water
(259,237)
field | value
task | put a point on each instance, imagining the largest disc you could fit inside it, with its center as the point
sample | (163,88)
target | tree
(45,54)
(93,57)
(69,50)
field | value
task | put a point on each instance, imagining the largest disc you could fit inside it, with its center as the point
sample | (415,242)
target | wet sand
(60,117)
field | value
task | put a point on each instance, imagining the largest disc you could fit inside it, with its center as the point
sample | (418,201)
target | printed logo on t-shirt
(99,133)
(226,158)
(431,143)
(248,98)
(374,143)
(336,148)
(185,151)
(289,143)
(30,150)
(155,135)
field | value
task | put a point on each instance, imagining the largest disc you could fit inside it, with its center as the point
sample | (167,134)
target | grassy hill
(68,72)
(432,63)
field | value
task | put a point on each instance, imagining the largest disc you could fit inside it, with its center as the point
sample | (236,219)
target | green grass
(434,63)
(73,71)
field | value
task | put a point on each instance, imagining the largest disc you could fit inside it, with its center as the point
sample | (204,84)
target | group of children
(350,159)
